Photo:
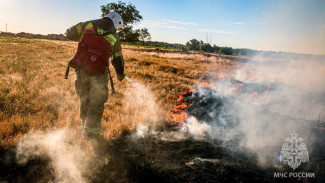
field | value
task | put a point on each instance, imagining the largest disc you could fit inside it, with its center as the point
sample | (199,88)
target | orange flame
(179,114)
(178,118)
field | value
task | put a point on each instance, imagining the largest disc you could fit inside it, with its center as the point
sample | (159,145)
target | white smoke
(196,129)
(293,101)
(68,152)
(141,108)
(287,107)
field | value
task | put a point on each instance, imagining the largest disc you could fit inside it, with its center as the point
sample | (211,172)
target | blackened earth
(150,159)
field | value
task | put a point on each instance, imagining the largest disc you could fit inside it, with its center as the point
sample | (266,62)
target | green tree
(216,48)
(226,50)
(193,44)
(130,16)
(206,47)
(129,35)
(144,35)
(128,12)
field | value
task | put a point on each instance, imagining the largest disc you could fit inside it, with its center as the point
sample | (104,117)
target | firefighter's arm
(118,60)
(74,33)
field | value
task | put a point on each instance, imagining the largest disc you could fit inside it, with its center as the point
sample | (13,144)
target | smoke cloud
(140,107)
(68,154)
(74,158)
(276,98)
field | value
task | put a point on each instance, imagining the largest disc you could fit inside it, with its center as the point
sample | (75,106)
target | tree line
(200,46)
(197,45)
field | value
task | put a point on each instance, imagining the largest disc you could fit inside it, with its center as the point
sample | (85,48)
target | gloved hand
(120,77)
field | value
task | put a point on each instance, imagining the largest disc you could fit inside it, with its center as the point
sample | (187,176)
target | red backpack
(92,52)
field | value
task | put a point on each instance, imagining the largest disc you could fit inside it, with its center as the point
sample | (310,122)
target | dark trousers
(93,92)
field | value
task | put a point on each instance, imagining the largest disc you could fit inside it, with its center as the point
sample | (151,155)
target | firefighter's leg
(84,102)
(98,95)
(82,90)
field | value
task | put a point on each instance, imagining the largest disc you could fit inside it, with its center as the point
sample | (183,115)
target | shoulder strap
(95,28)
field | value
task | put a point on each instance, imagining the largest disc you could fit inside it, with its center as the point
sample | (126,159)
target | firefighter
(97,39)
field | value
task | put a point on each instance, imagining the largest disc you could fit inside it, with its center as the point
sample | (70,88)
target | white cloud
(216,31)
(170,24)
(153,23)
(174,27)
(238,23)
(181,22)
(262,23)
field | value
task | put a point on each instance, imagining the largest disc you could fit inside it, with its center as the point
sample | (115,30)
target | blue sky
(277,25)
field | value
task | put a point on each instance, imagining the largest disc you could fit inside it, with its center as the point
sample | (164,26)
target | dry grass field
(35,96)
(36,99)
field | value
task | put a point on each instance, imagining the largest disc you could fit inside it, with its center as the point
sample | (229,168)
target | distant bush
(226,50)
(34,36)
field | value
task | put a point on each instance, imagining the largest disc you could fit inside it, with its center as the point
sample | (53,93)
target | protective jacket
(105,27)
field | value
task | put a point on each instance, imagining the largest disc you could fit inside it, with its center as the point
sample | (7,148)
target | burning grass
(34,96)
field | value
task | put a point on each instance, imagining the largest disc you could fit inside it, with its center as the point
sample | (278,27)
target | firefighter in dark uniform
(93,88)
